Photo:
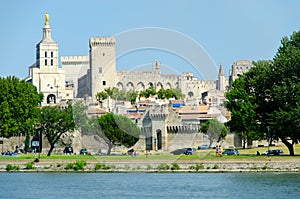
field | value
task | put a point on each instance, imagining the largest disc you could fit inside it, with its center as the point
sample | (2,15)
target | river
(149,185)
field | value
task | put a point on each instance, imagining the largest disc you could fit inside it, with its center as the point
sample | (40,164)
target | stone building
(83,76)
(45,73)
(237,69)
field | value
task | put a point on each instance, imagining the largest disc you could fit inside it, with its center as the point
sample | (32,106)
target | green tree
(239,102)
(148,92)
(273,90)
(177,93)
(285,91)
(131,96)
(100,96)
(55,123)
(118,130)
(19,103)
(169,93)
(215,130)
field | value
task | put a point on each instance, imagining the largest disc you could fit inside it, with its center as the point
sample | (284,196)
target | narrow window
(51,54)
(104,83)
(45,53)
(51,62)
(100,69)
(45,62)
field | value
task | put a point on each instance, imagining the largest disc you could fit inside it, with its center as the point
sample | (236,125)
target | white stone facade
(45,74)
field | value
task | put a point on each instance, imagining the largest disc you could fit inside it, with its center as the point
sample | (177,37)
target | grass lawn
(201,155)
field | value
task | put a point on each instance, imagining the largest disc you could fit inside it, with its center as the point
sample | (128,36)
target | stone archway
(159,139)
(130,86)
(140,86)
(150,84)
(120,86)
(191,94)
(168,85)
(159,86)
(51,99)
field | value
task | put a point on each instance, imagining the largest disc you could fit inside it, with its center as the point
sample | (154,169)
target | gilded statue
(46,19)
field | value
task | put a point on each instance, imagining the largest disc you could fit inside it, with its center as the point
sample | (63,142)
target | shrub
(192,167)
(29,165)
(199,166)
(216,166)
(175,166)
(9,167)
(98,166)
(17,167)
(69,166)
(163,166)
(149,167)
(102,166)
(106,167)
(79,165)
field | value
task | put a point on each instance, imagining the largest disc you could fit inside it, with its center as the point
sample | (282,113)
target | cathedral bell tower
(47,49)
(45,73)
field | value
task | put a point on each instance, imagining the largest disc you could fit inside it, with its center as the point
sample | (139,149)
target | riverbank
(174,164)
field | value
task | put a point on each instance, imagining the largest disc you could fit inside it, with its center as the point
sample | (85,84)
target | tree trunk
(51,149)
(210,142)
(244,140)
(288,145)
(110,146)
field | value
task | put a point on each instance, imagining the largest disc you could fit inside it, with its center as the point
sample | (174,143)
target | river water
(149,185)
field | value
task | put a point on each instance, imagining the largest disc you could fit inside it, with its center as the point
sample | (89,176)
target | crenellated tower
(102,64)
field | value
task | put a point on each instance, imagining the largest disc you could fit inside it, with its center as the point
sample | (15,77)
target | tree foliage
(117,94)
(169,93)
(271,95)
(215,130)
(18,106)
(148,92)
(56,123)
(118,130)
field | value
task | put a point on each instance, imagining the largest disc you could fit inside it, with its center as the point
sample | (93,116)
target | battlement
(74,60)
(102,42)
(182,129)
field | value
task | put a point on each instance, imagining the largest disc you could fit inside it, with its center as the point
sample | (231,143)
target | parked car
(273,152)
(178,151)
(204,146)
(189,151)
(230,152)
(83,152)
(68,150)
(130,151)
(9,153)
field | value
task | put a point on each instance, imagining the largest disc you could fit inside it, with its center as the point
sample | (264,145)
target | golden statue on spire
(46,19)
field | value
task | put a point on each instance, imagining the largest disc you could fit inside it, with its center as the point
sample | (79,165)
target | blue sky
(226,31)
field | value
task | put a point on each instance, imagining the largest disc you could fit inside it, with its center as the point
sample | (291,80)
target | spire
(221,72)
(47,30)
